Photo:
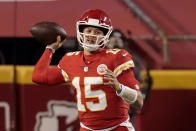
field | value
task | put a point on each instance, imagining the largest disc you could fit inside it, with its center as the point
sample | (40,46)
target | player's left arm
(131,88)
(122,78)
(126,86)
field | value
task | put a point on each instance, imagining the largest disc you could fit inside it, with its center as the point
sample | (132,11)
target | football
(46,32)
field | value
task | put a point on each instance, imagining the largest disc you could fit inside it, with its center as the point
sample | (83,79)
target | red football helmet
(95,18)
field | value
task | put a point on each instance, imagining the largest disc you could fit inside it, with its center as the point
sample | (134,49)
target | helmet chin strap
(90,47)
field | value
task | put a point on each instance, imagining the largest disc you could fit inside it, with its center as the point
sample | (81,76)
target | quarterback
(103,79)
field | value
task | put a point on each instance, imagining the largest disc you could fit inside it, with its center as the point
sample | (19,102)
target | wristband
(127,94)
(50,48)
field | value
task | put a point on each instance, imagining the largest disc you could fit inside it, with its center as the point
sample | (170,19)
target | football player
(103,79)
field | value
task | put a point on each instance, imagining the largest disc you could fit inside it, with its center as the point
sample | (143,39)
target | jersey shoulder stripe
(118,70)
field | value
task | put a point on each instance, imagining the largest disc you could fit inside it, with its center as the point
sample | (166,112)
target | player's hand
(56,45)
(112,80)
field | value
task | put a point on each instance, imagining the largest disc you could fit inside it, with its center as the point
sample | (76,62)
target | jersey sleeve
(44,74)
(64,65)
(127,78)
(123,69)
(123,61)
(67,63)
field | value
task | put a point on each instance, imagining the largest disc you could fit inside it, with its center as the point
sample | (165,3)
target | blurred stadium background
(162,33)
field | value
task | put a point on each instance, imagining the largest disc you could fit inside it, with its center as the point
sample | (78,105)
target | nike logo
(124,54)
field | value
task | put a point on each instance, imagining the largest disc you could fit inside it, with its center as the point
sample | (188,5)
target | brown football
(46,32)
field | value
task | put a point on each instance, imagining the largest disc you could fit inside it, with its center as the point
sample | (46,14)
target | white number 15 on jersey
(89,93)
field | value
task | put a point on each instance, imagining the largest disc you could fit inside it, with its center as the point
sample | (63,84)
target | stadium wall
(171,106)
(38,107)
(34,107)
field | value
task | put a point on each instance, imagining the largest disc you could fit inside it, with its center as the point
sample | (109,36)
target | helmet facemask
(100,41)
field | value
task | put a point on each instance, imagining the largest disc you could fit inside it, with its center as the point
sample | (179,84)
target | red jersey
(98,104)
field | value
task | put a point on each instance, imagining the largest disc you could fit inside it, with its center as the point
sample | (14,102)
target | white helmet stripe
(93,21)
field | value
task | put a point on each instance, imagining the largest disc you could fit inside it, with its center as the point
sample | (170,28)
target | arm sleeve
(43,74)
